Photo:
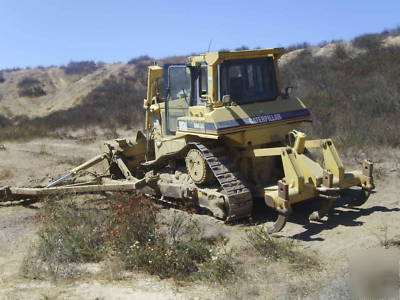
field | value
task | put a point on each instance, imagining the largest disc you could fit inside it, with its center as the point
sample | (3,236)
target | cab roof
(212,58)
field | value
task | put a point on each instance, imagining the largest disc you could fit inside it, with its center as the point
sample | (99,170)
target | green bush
(28,82)
(80,67)
(140,59)
(4,122)
(30,87)
(297,46)
(221,268)
(369,41)
(340,51)
(71,234)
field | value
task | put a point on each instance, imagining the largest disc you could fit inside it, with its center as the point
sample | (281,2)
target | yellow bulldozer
(221,134)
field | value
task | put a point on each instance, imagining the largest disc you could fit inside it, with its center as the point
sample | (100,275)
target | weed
(43,150)
(384,239)
(275,249)
(70,233)
(74,160)
(222,267)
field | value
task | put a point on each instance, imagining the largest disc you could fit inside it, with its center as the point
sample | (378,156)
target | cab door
(179,95)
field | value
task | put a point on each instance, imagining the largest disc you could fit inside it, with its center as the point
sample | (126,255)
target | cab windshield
(249,80)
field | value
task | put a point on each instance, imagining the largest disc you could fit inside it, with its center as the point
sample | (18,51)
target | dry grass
(353,99)
(127,236)
(73,160)
(280,249)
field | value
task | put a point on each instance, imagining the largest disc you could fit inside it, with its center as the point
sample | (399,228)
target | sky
(50,32)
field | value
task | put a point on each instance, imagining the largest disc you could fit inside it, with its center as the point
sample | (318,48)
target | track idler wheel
(198,168)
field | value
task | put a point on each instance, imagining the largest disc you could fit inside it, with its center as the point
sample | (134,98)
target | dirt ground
(337,239)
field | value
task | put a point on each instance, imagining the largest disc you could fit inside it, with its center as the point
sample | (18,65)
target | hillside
(333,79)
(123,246)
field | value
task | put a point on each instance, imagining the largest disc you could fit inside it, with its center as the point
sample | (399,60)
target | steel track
(239,201)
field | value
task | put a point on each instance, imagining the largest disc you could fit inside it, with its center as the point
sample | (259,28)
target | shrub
(28,82)
(2,79)
(128,232)
(4,121)
(139,59)
(340,51)
(242,48)
(141,246)
(222,267)
(9,70)
(30,87)
(70,233)
(297,46)
(394,31)
(80,67)
(368,41)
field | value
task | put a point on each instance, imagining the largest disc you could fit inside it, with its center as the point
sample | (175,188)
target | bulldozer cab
(187,86)
(242,81)
(208,82)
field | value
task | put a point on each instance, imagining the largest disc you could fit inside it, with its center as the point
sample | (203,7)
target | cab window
(249,80)
(178,95)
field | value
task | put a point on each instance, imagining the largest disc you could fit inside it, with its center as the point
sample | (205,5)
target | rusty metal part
(18,193)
